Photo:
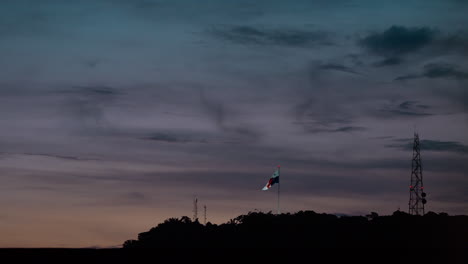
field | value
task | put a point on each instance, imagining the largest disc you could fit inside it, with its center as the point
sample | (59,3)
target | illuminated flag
(274,179)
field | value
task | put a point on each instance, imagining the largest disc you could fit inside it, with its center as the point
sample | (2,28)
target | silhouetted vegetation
(311,230)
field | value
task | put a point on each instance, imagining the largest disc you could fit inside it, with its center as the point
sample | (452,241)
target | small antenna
(195,209)
(204,214)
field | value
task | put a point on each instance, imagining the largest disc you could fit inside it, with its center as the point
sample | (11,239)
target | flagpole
(279,182)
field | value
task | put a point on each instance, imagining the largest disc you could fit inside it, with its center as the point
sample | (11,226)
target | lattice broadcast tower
(417,198)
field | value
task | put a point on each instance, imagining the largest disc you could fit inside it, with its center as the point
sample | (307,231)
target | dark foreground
(307,229)
(262,237)
(180,238)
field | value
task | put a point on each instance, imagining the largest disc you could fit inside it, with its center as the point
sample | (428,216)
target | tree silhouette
(308,229)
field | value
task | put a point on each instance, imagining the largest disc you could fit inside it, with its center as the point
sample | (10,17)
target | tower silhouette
(195,209)
(204,214)
(417,198)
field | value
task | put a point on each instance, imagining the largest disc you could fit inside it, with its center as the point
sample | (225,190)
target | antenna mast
(204,214)
(195,209)
(417,198)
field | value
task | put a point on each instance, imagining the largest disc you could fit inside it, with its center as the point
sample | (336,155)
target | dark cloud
(346,129)
(166,138)
(408,105)
(443,70)
(87,103)
(432,145)
(437,70)
(350,129)
(214,109)
(91,63)
(266,36)
(382,137)
(397,112)
(390,61)
(314,115)
(315,119)
(455,196)
(136,196)
(398,40)
(173,138)
(355,59)
(450,146)
(337,67)
(55,156)
(437,164)
(36,22)
(456,42)
(406,108)
(217,112)
(301,108)
(407,77)
(94,90)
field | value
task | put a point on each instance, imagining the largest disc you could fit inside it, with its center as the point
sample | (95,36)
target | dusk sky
(115,114)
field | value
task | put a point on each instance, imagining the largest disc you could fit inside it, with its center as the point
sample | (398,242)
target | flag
(274,179)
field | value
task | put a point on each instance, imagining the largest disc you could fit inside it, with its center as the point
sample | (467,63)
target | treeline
(307,229)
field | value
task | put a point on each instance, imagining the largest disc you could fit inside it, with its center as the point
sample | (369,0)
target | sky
(115,114)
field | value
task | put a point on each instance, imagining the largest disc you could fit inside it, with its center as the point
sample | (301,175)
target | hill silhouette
(308,229)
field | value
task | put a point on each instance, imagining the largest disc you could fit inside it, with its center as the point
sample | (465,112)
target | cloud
(87,103)
(56,156)
(443,70)
(91,91)
(266,36)
(92,63)
(301,108)
(398,40)
(214,109)
(456,42)
(432,145)
(346,129)
(314,119)
(136,196)
(407,77)
(166,138)
(316,116)
(408,105)
(337,67)
(350,129)
(19,22)
(390,61)
(173,138)
(217,112)
(405,109)
(450,146)
(437,70)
